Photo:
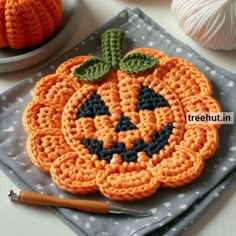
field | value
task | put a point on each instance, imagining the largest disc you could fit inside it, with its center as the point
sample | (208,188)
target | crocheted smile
(118,124)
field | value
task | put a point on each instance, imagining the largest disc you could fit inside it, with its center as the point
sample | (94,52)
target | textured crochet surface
(27,23)
(124,134)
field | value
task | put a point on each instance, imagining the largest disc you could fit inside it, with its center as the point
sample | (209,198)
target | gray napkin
(173,209)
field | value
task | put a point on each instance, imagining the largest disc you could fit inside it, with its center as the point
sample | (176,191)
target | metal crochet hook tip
(12,195)
(123,210)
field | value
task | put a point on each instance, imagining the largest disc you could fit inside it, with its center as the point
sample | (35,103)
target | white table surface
(17,219)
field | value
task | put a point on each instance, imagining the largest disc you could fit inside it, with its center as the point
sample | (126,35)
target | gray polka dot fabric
(173,209)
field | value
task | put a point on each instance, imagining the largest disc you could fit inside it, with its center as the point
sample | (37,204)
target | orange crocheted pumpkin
(121,131)
(26,23)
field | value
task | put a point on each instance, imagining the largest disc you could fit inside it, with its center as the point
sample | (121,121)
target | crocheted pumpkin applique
(118,124)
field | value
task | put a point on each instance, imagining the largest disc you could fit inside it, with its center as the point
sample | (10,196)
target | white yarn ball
(211,23)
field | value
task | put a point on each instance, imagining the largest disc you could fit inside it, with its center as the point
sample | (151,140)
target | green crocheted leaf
(112,47)
(92,70)
(137,63)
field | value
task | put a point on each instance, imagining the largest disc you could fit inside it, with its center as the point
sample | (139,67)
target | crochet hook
(82,205)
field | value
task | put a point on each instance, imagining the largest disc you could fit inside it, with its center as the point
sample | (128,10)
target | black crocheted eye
(93,106)
(149,100)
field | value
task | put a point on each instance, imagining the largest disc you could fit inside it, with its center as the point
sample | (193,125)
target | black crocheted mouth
(159,140)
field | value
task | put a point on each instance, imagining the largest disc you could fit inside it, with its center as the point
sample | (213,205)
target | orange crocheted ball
(26,23)
(121,128)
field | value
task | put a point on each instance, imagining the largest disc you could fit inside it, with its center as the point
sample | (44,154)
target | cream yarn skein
(211,23)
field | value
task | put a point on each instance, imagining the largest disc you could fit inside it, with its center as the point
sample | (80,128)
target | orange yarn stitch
(125,135)
(27,23)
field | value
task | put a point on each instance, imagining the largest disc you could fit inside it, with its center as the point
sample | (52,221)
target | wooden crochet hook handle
(46,200)
(83,205)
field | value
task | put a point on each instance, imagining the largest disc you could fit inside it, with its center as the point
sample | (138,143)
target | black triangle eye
(93,106)
(148,99)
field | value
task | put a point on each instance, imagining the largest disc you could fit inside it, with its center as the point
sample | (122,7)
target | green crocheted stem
(92,70)
(137,63)
(112,47)
(95,69)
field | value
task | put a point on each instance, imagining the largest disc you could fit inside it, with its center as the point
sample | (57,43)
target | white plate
(13,59)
